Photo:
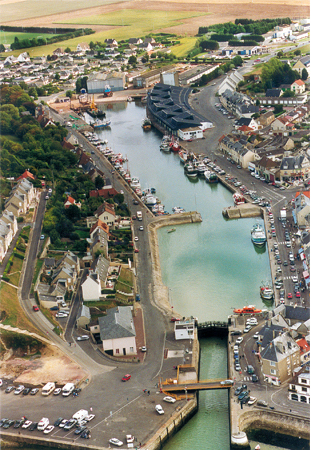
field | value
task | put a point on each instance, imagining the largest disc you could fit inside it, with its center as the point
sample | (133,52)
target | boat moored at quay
(210,176)
(258,235)
(101,124)
(266,292)
(238,198)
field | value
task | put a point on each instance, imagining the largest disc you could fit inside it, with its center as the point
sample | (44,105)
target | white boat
(165,148)
(135,183)
(258,235)
(266,292)
(177,210)
(183,156)
(191,170)
(238,198)
(149,200)
(201,168)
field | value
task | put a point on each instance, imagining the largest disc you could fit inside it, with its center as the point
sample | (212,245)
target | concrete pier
(242,211)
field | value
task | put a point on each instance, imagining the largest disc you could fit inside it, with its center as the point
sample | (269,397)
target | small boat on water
(251,309)
(171,230)
(257,447)
(146,124)
(174,145)
(238,198)
(164,147)
(258,235)
(101,124)
(183,156)
(178,209)
(266,292)
(201,168)
(210,177)
(191,170)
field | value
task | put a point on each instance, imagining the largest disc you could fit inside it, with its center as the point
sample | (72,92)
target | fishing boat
(174,145)
(146,124)
(258,235)
(164,147)
(201,168)
(191,170)
(171,230)
(266,292)
(251,309)
(101,124)
(135,183)
(238,198)
(178,209)
(149,200)
(183,156)
(210,176)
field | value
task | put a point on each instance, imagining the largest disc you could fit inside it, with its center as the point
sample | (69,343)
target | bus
(48,388)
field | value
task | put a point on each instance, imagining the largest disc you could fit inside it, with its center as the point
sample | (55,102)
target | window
(117,350)
(303,380)
(272,371)
(132,349)
(304,389)
(272,363)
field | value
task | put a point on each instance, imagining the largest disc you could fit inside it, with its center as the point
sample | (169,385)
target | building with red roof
(26,174)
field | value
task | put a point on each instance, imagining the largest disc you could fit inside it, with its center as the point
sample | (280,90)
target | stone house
(299,388)
(83,317)
(298,87)
(117,332)
(302,208)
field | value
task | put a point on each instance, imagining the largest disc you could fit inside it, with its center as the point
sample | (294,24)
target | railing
(212,324)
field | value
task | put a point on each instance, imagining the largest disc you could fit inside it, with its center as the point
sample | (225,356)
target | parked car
(48,429)
(238,390)
(252,400)
(19,389)
(86,434)
(70,424)
(126,377)
(9,389)
(262,403)
(58,421)
(242,395)
(84,337)
(169,399)
(57,391)
(239,340)
(35,308)
(27,424)
(159,409)
(116,442)
(33,426)
(26,391)
(34,391)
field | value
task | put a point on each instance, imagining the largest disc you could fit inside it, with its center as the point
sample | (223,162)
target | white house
(91,288)
(299,389)
(190,133)
(117,332)
(184,329)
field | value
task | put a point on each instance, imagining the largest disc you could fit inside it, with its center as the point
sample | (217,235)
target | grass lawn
(11,137)
(185,46)
(126,276)
(7,37)
(39,264)
(82,234)
(15,315)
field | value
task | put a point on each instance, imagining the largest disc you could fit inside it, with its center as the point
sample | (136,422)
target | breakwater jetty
(242,211)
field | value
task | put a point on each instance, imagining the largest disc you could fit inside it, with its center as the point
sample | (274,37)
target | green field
(127,23)
(185,46)
(7,37)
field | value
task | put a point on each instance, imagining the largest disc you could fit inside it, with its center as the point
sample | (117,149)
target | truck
(283,215)
(44,422)
(67,389)
(139,215)
(80,415)
(48,388)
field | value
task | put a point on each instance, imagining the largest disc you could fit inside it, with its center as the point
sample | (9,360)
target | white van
(48,388)
(80,415)
(139,215)
(67,389)
(44,422)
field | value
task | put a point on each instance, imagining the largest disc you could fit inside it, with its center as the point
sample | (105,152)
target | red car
(297,294)
(35,308)
(136,250)
(175,319)
(126,377)
(289,295)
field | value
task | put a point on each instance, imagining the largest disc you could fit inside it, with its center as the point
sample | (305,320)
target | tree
(69,94)
(280,54)
(92,45)
(288,93)
(209,45)
(99,182)
(67,50)
(57,76)
(2,48)
(237,61)
(132,59)
(304,74)
(297,52)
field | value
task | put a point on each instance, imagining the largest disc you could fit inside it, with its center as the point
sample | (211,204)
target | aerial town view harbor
(155,257)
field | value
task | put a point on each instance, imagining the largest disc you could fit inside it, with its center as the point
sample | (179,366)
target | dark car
(255,378)
(86,434)
(33,426)
(285,263)
(236,333)
(26,391)
(58,421)
(245,399)
(242,395)
(80,429)
(19,423)
(76,391)
(135,202)
(8,423)
(238,390)
(9,389)
(54,308)
(2,422)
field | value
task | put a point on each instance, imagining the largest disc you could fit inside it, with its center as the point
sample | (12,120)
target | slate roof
(268,333)
(169,105)
(297,313)
(273,92)
(84,311)
(117,324)
(243,121)
(273,353)
(289,162)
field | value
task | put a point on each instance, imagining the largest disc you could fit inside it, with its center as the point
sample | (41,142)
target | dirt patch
(51,366)
(218,12)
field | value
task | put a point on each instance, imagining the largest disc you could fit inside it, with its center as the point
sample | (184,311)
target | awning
(300,250)
(305,274)
(294,216)
(302,256)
